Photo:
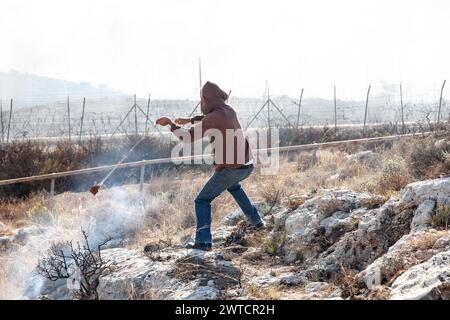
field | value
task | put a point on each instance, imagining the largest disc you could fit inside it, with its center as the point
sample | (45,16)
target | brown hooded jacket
(232,149)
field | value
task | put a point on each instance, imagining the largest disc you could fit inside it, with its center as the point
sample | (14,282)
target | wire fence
(77,117)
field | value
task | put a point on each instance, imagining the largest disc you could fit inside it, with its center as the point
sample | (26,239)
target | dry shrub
(330,159)
(374,201)
(270,293)
(272,192)
(430,158)
(394,176)
(379,293)
(19,212)
(64,258)
(304,161)
(273,242)
(348,282)
(29,158)
(310,134)
(295,201)
(441,217)
(352,170)
(425,241)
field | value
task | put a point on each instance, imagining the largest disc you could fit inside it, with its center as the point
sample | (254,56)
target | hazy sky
(142,46)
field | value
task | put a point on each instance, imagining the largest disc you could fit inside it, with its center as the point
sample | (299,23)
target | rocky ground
(337,245)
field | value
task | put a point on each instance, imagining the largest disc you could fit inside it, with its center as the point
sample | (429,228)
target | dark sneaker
(260,225)
(257,227)
(205,246)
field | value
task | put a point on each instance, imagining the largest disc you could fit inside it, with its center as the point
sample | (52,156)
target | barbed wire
(48,114)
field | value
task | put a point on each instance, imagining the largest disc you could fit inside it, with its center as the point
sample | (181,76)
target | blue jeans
(226,179)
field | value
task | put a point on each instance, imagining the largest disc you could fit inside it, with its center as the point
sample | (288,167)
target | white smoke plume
(117,213)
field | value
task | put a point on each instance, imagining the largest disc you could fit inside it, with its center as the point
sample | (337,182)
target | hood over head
(212,96)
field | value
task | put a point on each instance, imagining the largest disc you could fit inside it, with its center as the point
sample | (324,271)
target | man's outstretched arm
(192,120)
(180,132)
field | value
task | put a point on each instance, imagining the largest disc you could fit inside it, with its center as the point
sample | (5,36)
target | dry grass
(425,241)
(430,159)
(270,293)
(393,176)
(441,217)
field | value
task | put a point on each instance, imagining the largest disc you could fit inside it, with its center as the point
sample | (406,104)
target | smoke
(115,214)
(120,217)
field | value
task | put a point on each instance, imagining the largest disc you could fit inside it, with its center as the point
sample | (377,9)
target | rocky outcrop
(423,214)
(169,273)
(342,229)
(320,223)
(416,193)
(339,244)
(427,281)
(377,230)
(409,250)
(133,276)
(416,266)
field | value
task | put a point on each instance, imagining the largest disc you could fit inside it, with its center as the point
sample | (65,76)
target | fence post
(52,188)
(148,111)
(141,180)
(365,113)
(9,121)
(440,103)
(335,111)
(82,119)
(135,116)
(268,108)
(313,157)
(401,107)
(299,106)
(1,118)
(68,114)
(200,77)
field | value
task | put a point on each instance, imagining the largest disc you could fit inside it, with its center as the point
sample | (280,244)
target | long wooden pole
(365,113)
(440,103)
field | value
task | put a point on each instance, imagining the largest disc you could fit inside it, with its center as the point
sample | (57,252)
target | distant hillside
(30,90)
